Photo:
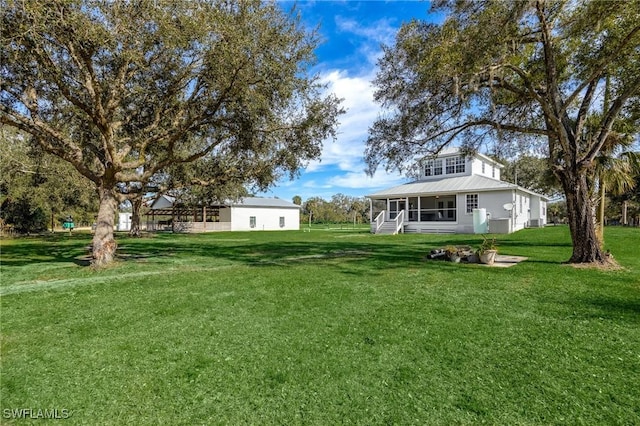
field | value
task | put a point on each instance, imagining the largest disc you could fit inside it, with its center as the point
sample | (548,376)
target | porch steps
(388,228)
(428,231)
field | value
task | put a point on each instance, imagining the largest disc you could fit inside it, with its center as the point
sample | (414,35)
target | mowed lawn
(321,327)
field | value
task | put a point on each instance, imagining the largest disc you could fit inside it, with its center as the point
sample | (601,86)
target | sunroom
(438,208)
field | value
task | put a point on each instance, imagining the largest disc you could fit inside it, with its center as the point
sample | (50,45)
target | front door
(395,207)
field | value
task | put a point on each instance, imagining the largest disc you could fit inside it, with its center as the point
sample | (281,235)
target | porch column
(370,210)
(204,218)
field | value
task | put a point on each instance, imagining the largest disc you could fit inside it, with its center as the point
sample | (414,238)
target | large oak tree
(123,90)
(514,71)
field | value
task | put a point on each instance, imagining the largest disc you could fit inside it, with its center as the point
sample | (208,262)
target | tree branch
(604,63)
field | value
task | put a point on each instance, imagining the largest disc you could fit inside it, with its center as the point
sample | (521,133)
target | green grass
(321,327)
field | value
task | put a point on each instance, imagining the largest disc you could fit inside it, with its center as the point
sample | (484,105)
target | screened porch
(438,208)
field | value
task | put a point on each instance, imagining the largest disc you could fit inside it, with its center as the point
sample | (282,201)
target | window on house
(428,168)
(483,164)
(493,171)
(472,202)
(281,221)
(433,168)
(437,167)
(455,165)
(252,221)
(451,166)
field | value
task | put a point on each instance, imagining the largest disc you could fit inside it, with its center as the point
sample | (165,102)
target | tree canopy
(38,189)
(531,172)
(564,73)
(124,90)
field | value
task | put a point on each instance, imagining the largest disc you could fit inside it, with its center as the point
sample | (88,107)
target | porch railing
(378,221)
(399,220)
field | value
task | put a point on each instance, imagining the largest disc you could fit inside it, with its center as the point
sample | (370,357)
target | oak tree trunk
(136,205)
(104,245)
(586,245)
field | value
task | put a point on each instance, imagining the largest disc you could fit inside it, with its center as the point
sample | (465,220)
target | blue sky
(352,34)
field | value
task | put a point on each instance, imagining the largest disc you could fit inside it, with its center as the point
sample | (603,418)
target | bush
(24,215)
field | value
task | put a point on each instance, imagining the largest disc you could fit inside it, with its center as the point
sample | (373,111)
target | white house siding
(491,201)
(538,212)
(266,219)
(476,167)
(521,209)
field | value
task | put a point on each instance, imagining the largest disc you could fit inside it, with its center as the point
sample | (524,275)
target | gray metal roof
(263,202)
(165,201)
(473,183)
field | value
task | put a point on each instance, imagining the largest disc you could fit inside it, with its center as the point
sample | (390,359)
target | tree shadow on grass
(51,248)
(603,307)
(356,256)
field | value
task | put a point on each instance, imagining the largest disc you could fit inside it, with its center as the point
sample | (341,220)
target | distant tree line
(340,208)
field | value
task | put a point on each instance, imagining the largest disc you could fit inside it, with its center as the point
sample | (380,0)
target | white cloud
(370,36)
(382,31)
(361,110)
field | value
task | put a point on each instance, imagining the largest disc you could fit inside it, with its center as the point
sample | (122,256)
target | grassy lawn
(322,327)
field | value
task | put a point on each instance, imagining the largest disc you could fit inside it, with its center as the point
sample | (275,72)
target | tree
(533,173)
(616,168)
(519,73)
(297,200)
(123,90)
(37,189)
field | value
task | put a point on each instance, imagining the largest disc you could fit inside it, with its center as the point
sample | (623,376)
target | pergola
(160,219)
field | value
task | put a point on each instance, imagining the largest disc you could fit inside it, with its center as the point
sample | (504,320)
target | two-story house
(457,194)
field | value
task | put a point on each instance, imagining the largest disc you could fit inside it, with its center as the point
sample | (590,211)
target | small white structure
(124,222)
(246,214)
(452,193)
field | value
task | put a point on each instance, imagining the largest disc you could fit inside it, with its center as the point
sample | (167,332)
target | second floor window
(451,166)
(455,165)
(433,168)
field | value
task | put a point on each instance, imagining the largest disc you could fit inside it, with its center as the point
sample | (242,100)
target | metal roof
(473,183)
(263,202)
(165,201)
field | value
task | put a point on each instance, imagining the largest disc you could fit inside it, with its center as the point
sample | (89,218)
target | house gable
(451,163)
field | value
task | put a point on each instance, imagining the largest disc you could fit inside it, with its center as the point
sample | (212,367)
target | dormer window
(433,168)
(455,165)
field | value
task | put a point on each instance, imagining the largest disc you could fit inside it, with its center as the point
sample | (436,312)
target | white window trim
(466,203)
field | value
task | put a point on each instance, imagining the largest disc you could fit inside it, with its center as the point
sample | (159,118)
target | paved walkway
(505,261)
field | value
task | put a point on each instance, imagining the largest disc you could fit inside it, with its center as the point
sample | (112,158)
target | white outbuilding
(245,214)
